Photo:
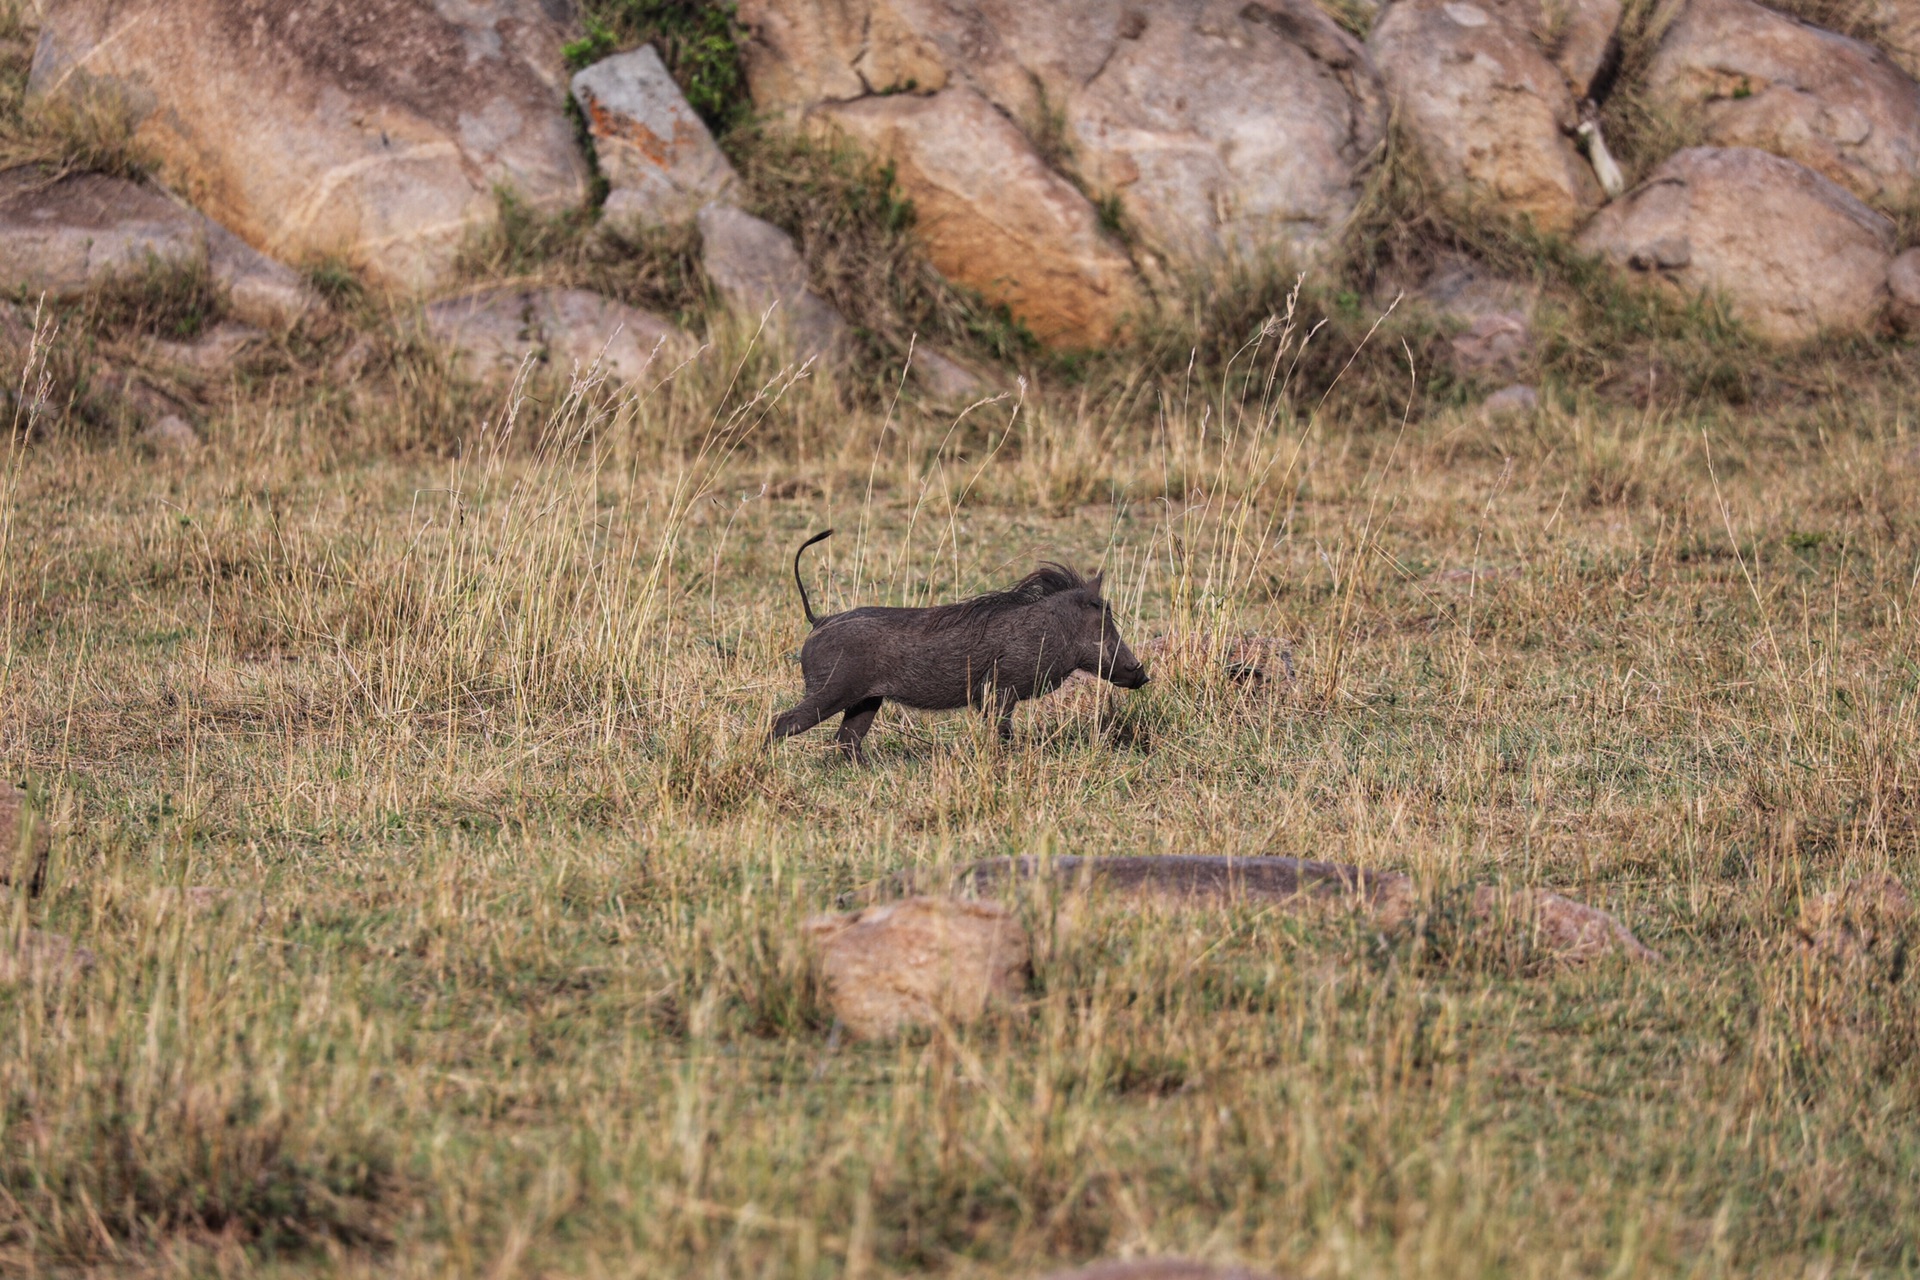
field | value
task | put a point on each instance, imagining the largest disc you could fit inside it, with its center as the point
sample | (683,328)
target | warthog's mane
(1050,579)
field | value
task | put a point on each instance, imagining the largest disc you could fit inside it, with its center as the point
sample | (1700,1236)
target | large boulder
(491,332)
(659,161)
(1752,77)
(374,131)
(64,234)
(1574,34)
(1792,252)
(918,961)
(1207,129)
(757,270)
(993,216)
(1491,115)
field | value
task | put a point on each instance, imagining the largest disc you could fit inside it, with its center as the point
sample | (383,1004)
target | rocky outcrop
(1792,253)
(1205,129)
(659,161)
(374,131)
(757,271)
(491,332)
(1491,115)
(994,217)
(918,961)
(63,234)
(1752,77)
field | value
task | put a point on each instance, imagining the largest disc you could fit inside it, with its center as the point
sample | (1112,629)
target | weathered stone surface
(1574,34)
(993,216)
(1223,131)
(1216,127)
(64,234)
(1897,27)
(1158,1269)
(918,961)
(1792,252)
(214,351)
(758,271)
(492,331)
(1490,114)
(375,131)
(658,158)
(1497,345)
(24,842)
(1903,288)
(1753,77)
(46,958)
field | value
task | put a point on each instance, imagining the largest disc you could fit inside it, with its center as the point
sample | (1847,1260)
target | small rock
(1158,1269)
(1510,402)
(171,434)
(24,843)
(214,351)
(918,961)
(491,331)
(944,378)
(1697,226)
(657,156)
(1495,344)
(43,957)
(260,290)
(754,266)
(1903,283)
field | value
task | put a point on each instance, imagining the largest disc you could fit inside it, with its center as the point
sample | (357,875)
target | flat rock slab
(492,331)
(659,160)
(919,961)
(1793,253)
(62,235)
(373,131)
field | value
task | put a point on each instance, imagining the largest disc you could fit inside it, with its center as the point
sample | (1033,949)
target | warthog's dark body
(991,652)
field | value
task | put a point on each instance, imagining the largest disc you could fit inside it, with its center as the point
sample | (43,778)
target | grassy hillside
(404,750)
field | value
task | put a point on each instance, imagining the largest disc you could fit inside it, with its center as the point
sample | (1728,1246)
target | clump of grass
(164,298)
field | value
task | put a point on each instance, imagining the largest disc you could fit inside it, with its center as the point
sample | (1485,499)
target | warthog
(990,652)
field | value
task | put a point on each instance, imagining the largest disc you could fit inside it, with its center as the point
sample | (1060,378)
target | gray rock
(1746,75)
(944,378)
(171,435)
(656,154)
(63,234)
(758,271)
(1510,402)
(1793,253)
(491,331)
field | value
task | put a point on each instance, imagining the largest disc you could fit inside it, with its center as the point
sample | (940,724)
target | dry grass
(507,982)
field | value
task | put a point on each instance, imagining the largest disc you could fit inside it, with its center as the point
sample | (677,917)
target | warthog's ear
(1099,576)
